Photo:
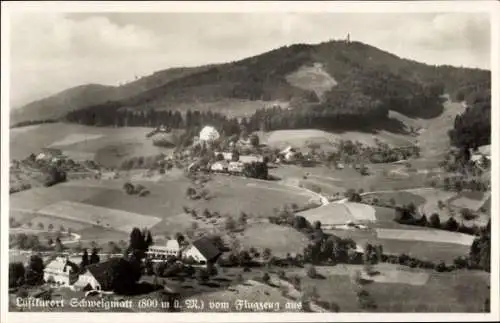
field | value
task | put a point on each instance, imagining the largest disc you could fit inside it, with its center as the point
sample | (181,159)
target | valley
(322,180)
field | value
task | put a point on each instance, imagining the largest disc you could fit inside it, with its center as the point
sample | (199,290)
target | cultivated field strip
(439,236)
(105,217)
(75,138)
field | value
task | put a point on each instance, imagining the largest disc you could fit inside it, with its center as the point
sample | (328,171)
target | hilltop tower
(348,38)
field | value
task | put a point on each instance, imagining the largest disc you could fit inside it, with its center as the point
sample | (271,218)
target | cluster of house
(201,251)
(483,153)
(50,155)
(62,272)
(228,164)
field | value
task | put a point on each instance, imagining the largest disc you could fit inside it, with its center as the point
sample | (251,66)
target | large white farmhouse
(59,271)
(171,248)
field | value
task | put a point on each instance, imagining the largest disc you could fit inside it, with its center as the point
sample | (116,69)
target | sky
(51,52)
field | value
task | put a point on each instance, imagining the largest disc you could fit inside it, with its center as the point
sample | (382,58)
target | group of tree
(407,214)
(125,272)
(472,128)
(31,275)
(257,170)
(54,175)
(92,260)
(480,250)
(138,189)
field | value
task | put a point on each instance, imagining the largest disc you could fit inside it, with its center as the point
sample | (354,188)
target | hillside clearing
(313,78)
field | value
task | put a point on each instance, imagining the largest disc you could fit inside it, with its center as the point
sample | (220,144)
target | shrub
(311,272)
(434,221)
(441,267)
(467,214)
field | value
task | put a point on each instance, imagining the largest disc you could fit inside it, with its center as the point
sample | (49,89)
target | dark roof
(99,270)
(207,248)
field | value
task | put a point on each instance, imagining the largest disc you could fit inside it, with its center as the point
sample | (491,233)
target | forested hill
(79,97)
(361,84)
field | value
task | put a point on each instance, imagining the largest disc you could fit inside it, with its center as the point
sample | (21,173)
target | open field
(379,178)
(37,198)
(340,213)
(432,198)
(404,289)
(252,292)
(424,250)
(460,291)
(439,236)
(302,138)
(400,197)
(75,138)
(80,203)
(106,217)
(109,146)
(280,239)
(470,200)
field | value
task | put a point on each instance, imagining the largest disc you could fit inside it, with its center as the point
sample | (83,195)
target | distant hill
(327,84)
(58,105)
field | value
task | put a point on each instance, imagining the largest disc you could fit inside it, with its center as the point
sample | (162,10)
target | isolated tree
(451,224)
(40,226)
(149,239)
(94,257)
(230,224)
(242,220)
(58,247)
(180,237)
(254,140)
(435,221)
(129,188)
(34,271)
(136,241)
(202,275)
(266,278)
(311,271)
(317,225)
(266,253)
(467,214)
(16,274)
(299,222)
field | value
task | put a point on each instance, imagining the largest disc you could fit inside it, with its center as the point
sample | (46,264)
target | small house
(235,167)
(220,166)
(202,251)
(95,277)
(225,155)
(248,159)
